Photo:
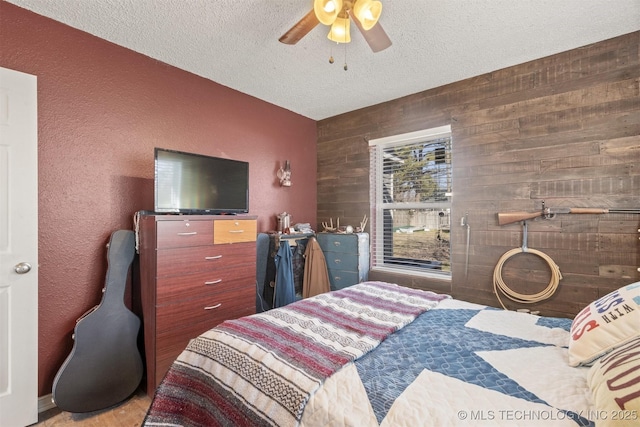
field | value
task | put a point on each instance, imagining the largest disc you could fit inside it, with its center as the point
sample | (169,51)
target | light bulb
(339,32)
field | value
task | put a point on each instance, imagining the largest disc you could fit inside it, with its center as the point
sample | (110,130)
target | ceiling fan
(338,14)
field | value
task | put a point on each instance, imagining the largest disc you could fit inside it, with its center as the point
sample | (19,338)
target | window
(410,178)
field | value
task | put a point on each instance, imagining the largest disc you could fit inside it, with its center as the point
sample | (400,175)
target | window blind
(410,199)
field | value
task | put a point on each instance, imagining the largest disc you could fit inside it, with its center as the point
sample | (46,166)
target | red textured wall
(101,111)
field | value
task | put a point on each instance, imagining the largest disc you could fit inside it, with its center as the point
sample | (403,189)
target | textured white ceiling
(435,42)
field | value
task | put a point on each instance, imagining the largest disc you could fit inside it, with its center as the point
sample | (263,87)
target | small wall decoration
(284,174)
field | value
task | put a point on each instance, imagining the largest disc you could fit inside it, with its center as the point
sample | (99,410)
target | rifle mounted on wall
(548,213)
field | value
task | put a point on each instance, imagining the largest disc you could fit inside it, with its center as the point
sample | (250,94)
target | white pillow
(614,380)
(604,325)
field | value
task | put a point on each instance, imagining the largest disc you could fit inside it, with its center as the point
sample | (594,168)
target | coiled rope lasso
(499,284)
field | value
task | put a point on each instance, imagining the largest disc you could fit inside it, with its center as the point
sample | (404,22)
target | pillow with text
(605,324)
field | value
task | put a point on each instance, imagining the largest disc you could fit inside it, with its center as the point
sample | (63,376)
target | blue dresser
(347,257)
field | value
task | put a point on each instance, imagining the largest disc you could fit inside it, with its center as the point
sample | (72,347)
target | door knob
(22,268)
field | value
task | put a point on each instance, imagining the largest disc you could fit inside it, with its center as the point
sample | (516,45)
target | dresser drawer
(199,285)
(178,234)
(234,231)
(226,298)
(341,260)
(182,261)
(338,242)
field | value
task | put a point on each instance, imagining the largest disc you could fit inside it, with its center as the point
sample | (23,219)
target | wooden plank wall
(563,129)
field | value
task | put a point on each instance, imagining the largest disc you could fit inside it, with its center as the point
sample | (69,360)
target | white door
(18,249)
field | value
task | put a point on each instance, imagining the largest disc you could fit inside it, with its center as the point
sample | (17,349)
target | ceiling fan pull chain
(345,45)
(345,57)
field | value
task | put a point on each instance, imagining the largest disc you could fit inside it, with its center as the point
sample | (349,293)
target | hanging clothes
(284,289)
(270,278)
(316,277)
(297,262)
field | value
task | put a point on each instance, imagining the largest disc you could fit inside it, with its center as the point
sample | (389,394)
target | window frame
(377,205)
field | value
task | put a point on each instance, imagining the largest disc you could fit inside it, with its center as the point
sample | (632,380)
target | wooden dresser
(195,272)
(347,257)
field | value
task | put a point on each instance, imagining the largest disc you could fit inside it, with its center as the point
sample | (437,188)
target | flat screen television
(191,183)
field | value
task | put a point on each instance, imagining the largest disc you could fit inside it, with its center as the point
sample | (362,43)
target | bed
(379,354)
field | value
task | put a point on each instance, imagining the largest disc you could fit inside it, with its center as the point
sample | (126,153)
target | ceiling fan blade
(300,29)
(376,37)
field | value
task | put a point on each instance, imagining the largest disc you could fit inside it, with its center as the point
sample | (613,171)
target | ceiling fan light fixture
(327,10)
(340,31)
(367,12)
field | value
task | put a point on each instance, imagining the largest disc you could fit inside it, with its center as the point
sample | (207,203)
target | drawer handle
(213,257)
(189,233)
(213,282)
(213,307)
(236,231)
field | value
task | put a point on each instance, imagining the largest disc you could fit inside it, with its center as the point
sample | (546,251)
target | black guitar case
(105,366)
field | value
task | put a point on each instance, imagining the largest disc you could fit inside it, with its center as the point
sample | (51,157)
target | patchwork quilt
(464,364)
(378,355)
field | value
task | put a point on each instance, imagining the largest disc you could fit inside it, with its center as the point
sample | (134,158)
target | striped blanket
(262,369)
